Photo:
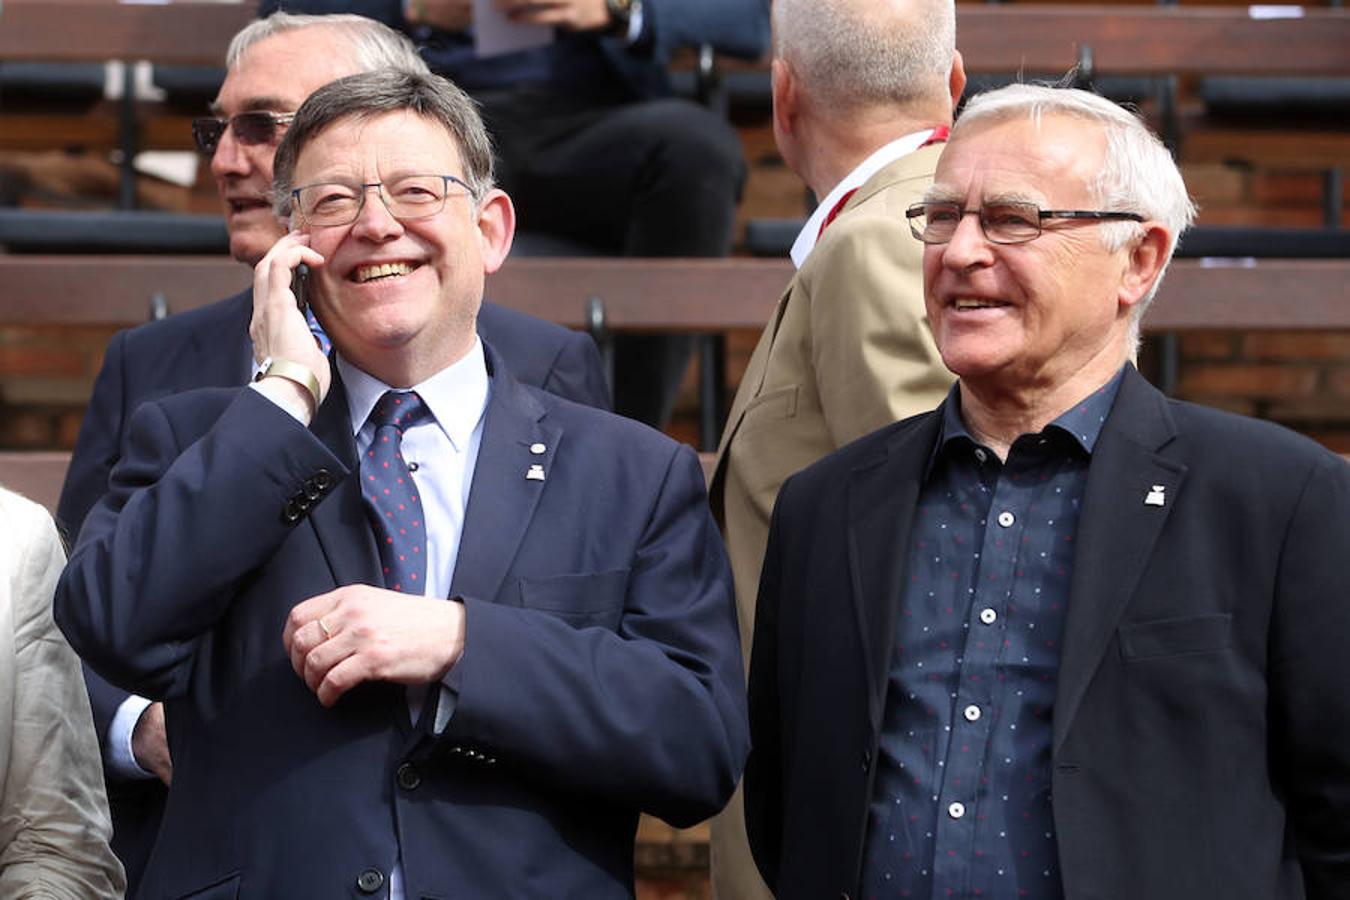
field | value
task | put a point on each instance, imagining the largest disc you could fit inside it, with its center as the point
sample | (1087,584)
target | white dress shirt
(806,238)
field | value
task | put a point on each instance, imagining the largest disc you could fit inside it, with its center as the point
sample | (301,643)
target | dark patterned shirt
(961,803)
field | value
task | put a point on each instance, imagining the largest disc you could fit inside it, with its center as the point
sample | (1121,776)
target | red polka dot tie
(390,494)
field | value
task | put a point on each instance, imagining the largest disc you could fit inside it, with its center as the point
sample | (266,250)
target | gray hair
(1137,175)
(374,45)
(370,94)
(852,53)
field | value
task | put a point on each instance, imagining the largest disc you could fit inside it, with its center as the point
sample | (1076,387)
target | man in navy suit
(1063,636)
(450,651)
(272,66)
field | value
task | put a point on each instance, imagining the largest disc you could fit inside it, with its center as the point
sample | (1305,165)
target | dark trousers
(649,178)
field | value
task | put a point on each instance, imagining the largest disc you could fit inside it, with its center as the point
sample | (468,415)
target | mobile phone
(299,283)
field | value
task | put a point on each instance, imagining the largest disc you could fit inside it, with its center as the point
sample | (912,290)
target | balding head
(848,54)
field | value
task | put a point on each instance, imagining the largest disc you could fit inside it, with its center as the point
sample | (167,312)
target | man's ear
(786,97)
(956,81)
(496,228)
(1144,265)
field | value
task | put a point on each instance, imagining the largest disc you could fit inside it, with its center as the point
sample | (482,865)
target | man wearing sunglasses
(273,65)
(422,631)
(1062,636)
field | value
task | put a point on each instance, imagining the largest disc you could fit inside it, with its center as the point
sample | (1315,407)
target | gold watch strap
(291,371)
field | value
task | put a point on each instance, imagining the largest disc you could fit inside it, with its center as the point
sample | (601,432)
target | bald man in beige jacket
(860,111)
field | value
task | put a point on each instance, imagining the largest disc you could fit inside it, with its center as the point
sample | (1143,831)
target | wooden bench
(693,295)
(660,295)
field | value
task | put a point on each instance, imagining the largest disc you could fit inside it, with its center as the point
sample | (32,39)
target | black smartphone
(299,283)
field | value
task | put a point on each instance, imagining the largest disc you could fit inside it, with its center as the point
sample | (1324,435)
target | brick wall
(46,374)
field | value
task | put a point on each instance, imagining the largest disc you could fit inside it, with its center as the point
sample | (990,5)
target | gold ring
(323,626)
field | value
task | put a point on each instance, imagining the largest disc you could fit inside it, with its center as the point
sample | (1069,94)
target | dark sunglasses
(258,127)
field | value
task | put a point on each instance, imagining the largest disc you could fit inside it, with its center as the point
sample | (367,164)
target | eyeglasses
(1002,223)
(410,197)
(257,127)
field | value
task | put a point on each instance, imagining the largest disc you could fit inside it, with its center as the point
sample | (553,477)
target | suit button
(323,479)
(370,881)
(408,777)
(291,513)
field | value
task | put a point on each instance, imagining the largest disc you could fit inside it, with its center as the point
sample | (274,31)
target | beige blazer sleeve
(54,825)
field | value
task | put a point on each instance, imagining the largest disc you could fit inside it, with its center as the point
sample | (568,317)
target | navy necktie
(392,503)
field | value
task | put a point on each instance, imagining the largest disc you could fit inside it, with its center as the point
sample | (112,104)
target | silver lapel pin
(535,473)
(1156,497)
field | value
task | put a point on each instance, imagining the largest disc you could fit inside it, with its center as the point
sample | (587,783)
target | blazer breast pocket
(1176,637)
(769,445)
(584,601)
(779,403)
(225,889)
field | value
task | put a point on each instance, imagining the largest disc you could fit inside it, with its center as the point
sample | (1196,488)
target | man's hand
(447,15)
(570,15)
(150,743)
(361,633)
(279,329)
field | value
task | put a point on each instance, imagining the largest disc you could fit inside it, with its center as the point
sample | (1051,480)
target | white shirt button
(1005,518)
(972,713)
(980,454)
(988,616)
(956,810)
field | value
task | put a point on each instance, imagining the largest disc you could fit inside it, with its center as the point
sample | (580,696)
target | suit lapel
(340,520)
(1116,534)
(882,500)
(751,383)
(503,496)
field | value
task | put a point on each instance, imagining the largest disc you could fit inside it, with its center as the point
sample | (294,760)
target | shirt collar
(1082,422)
(457,395)
(806,238)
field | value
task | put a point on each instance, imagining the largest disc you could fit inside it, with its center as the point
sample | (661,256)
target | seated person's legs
(656,178)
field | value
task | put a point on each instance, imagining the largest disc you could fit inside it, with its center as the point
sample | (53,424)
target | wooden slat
(1276,147)
(1152,39)
(646,294)
(1142,39)
(1253,294)
(655,294)
(182,31)
(110,290)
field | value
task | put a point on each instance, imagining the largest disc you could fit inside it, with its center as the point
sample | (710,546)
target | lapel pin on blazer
(537,449)
(535,473)
(1156,496)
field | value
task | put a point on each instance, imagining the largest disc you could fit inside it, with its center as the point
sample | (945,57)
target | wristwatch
(291,371)
(621,14)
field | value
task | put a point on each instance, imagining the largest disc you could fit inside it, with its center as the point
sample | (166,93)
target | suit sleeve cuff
(118,755)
